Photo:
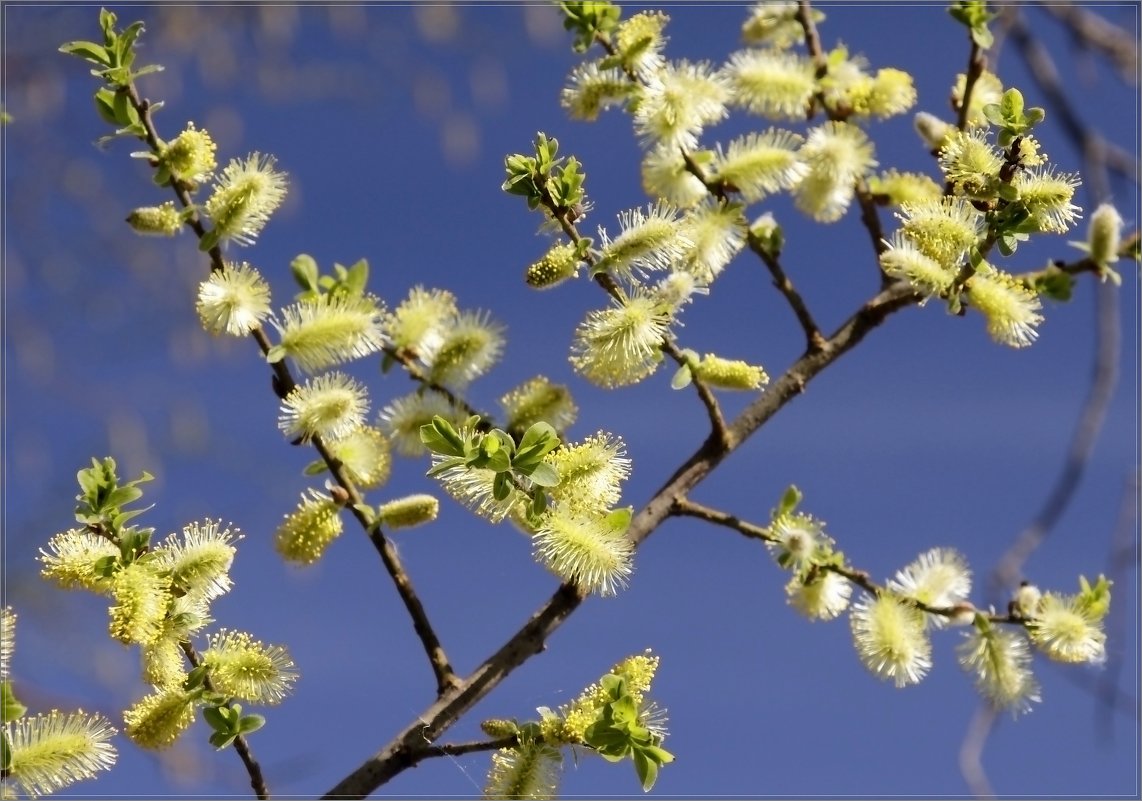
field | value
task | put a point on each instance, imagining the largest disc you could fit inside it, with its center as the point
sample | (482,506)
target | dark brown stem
(284,383)
(459,749)
(977,63)
(241,746)
(861,578)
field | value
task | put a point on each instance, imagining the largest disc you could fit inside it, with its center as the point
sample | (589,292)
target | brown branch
(977,63)
(861,578)
(869,216)
(241,746)
(406,749)
(459,749)
(284,383)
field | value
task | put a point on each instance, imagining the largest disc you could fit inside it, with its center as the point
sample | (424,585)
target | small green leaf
(250,723)
(502,486)
(647,770)
(440,436)
(216,719)
(5,752)
(544,475)
(682,378)
(305,271)
(618,520)
(447,464)
(789,500)
(90,51)
(209,240)
(220,740)
(315,468)
(10,707)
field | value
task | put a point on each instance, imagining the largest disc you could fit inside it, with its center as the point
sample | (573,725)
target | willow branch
(977,63)
(459,749)
(869,216)
(406,749)
(717,189)
(241,746)
(284,383)
(668,346)
(687,508)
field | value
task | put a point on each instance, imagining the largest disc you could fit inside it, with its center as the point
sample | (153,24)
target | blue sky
(393,134)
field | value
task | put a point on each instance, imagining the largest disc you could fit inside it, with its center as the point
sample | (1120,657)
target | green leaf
(682,378)
(502,486)
(107,24)
(357,278)
(250,723)
(210,240)
(89,51)
(544,475)
(315,468)
(789,500)
(217,719)
(647,770)
(105,105)
(305,271)
(440,436)
(5,752)
(220,740)
(994,114)
(195,679)
(1012,104)
(276,354)
(10,708)
(447,464)
(618,520)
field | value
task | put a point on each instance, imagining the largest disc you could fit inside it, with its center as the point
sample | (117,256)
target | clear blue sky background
(393,123)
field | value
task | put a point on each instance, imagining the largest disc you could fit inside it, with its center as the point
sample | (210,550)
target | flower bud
(1105,234)
(556,266)
(415,510)
(161,220)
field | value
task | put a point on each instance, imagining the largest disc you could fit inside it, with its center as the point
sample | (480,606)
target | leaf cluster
(349,281)
(222,714)
(973,14)
(589,21)
(101,507)
(496,450)
(619,734)
(114,60)
(545,180)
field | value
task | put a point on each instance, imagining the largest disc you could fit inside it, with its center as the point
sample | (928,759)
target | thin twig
(257,781)
(869,215)
(977,63)
(668,346)
(284,383)
(459,749)
(861,578)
